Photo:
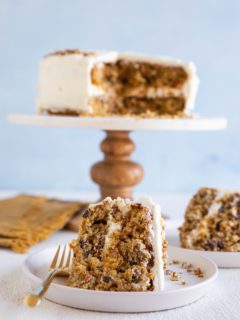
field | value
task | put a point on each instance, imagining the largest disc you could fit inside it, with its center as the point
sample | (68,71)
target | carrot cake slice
(121,246)
(75,82)
(212,221)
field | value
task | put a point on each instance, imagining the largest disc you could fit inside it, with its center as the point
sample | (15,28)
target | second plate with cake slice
(212,226)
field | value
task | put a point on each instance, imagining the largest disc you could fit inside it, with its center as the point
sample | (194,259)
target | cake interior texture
(212,221)
(127,76)
(139,106)
(114,250)
(131,88)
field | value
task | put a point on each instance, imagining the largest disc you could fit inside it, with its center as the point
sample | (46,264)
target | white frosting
(214,208)
(163,92)
(216,205)
(156,233)
(190,88)
(112,228)
(64,80)
(130,56)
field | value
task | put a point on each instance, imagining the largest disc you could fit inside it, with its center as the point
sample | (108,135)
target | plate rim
(36,278)
(232,253)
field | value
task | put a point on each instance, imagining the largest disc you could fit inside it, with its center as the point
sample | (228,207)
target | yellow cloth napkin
(26,220)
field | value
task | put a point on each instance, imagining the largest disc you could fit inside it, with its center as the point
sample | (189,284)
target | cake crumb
(198,272)
(174,276)
(186,265)
(175,261)
(168,272)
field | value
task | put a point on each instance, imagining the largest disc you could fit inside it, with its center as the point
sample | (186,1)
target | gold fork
(56,269)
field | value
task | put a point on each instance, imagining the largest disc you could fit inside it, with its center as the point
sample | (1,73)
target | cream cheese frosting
(156,234)
(64,80)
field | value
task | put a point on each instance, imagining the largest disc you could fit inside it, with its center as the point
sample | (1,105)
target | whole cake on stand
(118,93)
(73,82)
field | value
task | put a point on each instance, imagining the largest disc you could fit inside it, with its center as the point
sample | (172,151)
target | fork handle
(34,300)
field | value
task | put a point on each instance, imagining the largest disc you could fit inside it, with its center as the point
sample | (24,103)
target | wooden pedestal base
(117,174)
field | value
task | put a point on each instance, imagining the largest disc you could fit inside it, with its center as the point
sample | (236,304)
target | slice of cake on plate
(212,221)
(121,246)
(73,82)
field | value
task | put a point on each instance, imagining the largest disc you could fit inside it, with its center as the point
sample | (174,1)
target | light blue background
(206,32)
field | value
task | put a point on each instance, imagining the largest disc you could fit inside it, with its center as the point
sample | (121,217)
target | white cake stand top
(120,123)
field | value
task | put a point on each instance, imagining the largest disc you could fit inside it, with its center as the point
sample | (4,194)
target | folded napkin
(26,220)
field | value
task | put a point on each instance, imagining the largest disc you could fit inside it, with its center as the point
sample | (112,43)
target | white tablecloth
(221,302)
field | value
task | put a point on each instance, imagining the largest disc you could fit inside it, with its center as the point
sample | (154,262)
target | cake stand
(117,174)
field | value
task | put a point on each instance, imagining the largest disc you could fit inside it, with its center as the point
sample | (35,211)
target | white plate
(222,259)
(120,123)
(174,295)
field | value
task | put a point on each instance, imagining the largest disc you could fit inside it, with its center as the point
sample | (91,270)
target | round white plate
(222,259)
(174,295)
(120,123)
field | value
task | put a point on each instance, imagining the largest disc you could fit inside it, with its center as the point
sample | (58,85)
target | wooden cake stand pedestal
(117,174)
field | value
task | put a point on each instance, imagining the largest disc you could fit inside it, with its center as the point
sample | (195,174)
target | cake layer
(127,76)
(120,247)
(63,111)
(212,221)
(139,106)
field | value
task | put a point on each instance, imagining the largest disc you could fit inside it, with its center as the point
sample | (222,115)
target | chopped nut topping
(168,272)
(175,261)
(186,265)
(198,272)
(174,276)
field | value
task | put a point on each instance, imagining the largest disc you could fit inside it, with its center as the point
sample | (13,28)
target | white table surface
(221,302)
